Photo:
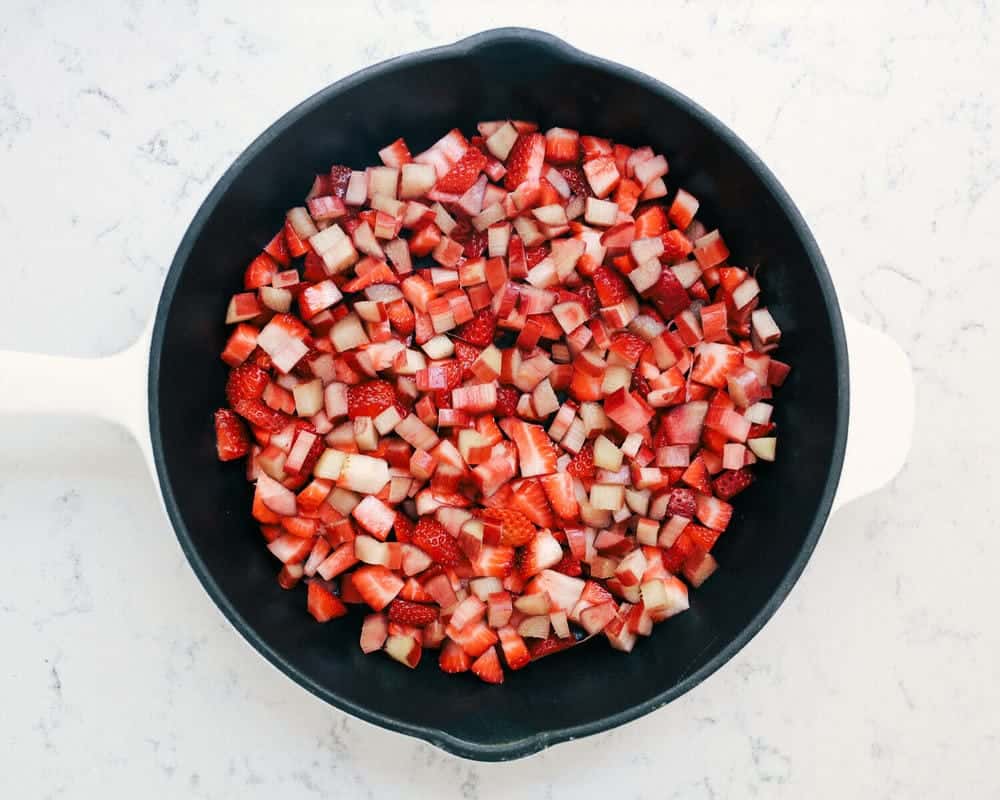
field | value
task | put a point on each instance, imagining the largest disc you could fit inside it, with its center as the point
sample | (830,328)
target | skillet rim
(528,745)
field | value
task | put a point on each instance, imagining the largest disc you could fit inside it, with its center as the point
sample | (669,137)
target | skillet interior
(520,74)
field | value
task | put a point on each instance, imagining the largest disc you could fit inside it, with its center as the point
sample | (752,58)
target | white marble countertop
(877,678)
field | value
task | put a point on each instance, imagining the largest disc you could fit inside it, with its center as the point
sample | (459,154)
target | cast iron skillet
(519,74)
(523,74)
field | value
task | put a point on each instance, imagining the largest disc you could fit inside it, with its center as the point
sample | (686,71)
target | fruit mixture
(498,395)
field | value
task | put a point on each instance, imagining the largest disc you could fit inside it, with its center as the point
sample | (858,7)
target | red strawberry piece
(730,483)
(569,566)
(534,255)
(696,476)
(628,346)
(515,651)
(246,382)
(478,330)
(713,512)
(539,648)
(535,451)
(466,355)
(232,440)
(507,398)
(401,317)
(277,248)
(463,174)
(260,272)
(611,288)
(652,221)
(340,176)
(559,490)
(759,431)
(369,399)
(577,180)
(453,658)
(259,415)
(640,384)
(529,498)
(562,146)
(588,296)
(515,528)
(582,464)
(487,666)
(676,246)
(404,528)
(525,160)
(413,590)
(313,271)
(542,552)
(475,244)
(681,503)
(431,537)
(667,294)
(377,585)
(244,388)
(395,154)
(322,603)
(494,562)
(714,362)
(704,538)
(407,613)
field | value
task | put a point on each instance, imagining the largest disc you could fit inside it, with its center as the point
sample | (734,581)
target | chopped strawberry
(667,294)
(713,512)
(428,392)
(714,362)
(466,355)
(559,489)
(582,464)
(525,160)
(535,452)
(463,173)
(539,648)
(696,476)
(417,614)
(515,528)
(515,651)
(377,585)
(369,399)
(681,503)
(231,438)
(453,658)
(562,146)
(478,330)
(611,288)
(628,347)
(404,529)
(569,565)
(676,246)
(540,553)
(431,537)
(487,666)
(340,178)
(507,398)
(730,483)
(528,497)
(494,562)
(322,603)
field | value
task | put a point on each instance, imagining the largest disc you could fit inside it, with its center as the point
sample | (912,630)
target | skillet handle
(111,388)
(882,411)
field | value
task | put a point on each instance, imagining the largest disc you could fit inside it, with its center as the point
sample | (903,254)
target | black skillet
(514,73)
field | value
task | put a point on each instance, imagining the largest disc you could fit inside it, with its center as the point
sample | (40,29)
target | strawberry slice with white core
(514,383)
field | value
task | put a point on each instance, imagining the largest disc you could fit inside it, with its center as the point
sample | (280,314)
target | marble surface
(877,676)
